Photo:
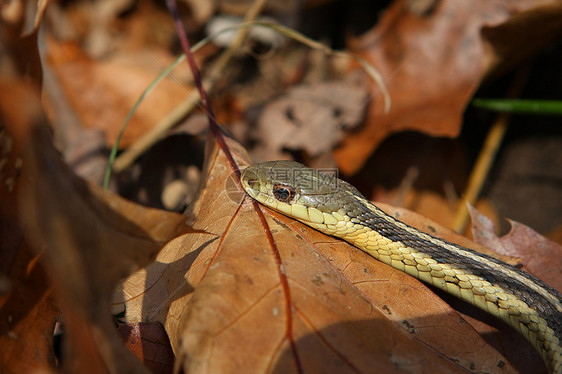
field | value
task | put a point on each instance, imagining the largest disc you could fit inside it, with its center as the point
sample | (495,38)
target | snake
(334,207)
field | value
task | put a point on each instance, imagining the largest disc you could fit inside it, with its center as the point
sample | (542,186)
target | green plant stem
(545,107)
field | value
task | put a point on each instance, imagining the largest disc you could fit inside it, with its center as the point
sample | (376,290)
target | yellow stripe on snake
(336,208)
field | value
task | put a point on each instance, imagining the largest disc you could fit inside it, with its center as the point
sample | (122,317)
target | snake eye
(283,193)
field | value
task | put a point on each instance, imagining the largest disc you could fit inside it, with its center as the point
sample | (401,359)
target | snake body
(336,208)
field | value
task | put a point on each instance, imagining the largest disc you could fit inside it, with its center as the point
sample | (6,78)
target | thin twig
(219,136)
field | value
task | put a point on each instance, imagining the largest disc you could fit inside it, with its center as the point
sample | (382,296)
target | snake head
(272,182)
(296,190)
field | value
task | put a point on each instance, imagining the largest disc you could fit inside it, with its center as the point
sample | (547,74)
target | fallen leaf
(87,239)
(540,256)
(149,342)
(28,309)
(232,301)
(432,63)
(27,306)
(102,93)
(311,118)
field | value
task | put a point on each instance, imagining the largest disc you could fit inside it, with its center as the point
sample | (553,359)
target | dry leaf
(103,92)
(231,301)
(28,309)
(311,118)
(433,63)
(149,342)
(89,239)
(541,256)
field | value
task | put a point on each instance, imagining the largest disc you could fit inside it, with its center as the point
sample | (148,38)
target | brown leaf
(149,342)
(541,256)
(103,92)
(231,301)
(27,307)
(91,238)
(432,63)
(316,112)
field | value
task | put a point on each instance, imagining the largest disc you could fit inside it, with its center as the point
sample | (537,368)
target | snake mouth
(251,182)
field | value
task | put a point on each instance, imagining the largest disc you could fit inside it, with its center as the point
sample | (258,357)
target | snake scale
(336,208)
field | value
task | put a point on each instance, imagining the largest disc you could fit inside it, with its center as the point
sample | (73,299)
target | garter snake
(336,208)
